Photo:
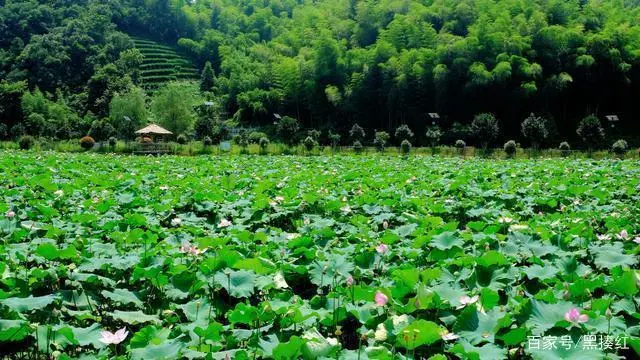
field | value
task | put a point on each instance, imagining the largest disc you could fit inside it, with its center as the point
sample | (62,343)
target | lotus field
(338,257)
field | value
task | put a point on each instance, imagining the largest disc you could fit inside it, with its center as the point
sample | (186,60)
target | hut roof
(154,129)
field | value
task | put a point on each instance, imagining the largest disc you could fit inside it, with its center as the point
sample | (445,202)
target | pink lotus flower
(381,299)
(637,240)
(10,214)
(574,316)
(224,223)
(446,335)
(624,235)
(191,249)
(385,224)
(466,300)
(113,338)
(603,237)
(382,249)
(350,280)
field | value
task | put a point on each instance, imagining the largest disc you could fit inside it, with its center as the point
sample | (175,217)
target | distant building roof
(434,115)
(154,129)
(612,117)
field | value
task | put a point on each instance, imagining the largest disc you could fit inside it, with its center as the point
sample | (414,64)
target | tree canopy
(334,63)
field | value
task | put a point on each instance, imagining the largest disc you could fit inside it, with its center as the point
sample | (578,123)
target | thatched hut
(156,132)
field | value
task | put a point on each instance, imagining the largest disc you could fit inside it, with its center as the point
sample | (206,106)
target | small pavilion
(156,132)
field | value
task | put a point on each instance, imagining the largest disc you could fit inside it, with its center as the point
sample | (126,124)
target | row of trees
(485,129)
(333,63)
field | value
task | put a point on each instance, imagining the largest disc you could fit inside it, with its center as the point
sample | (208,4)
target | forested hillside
(329,63)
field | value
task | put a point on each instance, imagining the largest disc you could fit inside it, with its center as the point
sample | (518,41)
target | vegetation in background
(328,64)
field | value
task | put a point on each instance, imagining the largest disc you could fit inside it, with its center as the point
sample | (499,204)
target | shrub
(458,131)
(380,140)
(101,130)
(113,141)
(405,146)
(35,123)
(206,141)
(534,128)
(403,132)
(620,147)
(3,131)
(255,136)
(287,129)
(510,148)
(309,143)
(182,139)
(460,144)
(357,146)
(314,134)
(591,132)
(264,143)
(87,142)
(17,130)
(203,126)
(220,132)
(335,139)
(564,148)
(26,142)
(485,128)
(242,138)
(433,136)
(357,133)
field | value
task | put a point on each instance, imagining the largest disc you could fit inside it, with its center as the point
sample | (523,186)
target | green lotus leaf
(29,303)
(419,333)
(123,296)
(167,350)
(237,283)
(134,317)
(446,240)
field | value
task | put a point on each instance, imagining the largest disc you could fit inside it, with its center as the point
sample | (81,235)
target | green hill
(162,64)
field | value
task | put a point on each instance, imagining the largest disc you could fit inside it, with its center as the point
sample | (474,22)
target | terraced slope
(162,64)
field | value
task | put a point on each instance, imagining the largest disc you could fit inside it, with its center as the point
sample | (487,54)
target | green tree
(534,128)
(591,132)
(485,129)
(380,140)
(173,106)
(287,128)
(433,136)
(357,133)
(10,101)
(101,130)
(103,86)
(403,132)
(128,112)
(208,78)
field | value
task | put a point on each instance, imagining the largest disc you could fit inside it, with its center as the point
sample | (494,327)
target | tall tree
(208,78)
(173,106)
